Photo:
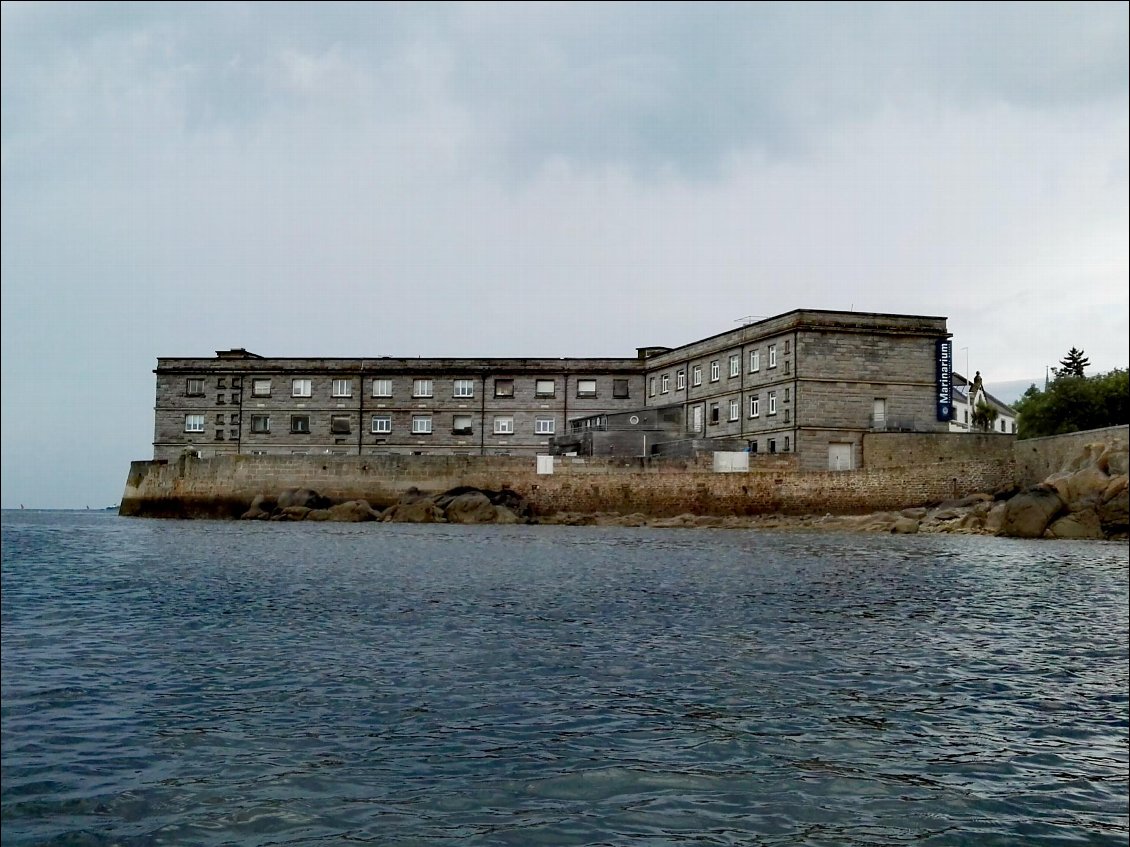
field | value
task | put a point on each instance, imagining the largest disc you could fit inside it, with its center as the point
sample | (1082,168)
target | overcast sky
(535,180)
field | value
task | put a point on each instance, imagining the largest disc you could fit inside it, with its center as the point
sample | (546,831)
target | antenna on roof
(748,319)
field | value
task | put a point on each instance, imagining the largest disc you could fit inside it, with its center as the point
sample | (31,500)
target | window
(543,426)
(753,446)
(715,371)
(261,424)
(193,423)
(220,400)
(754,361)
(772,445)
(786,349)
(586,387)
(680,380)
(233,434)
(545,388)
(619,388)
(772,402)
(339,424)
(235,399)
(220,419)
(503,425)
(381,424)
(772,355)
(461,425)
(422,388)
(786,397)
(714,413)
(787,366)
(300,423)
(735,365)
(696,375)
(260,388)
(236,382)
(194,387)
(421,424)
(755,407)
(788,416)
(464,388)
(301,388)
(221,382)
(233,418)
(735,409)
(786,450)
(651,386)
(664,383)
(342,388)
(382,387)
(504,388)
(219,435)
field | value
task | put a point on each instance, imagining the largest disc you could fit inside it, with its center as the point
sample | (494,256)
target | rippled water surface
(210,683)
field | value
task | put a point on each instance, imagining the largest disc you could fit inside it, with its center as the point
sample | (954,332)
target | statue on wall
(977,388)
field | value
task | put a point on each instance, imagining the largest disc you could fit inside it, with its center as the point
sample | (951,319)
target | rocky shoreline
(1086,499)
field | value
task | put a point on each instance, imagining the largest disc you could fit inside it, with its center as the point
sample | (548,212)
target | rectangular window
(755,407)
(421,424)
(696,375)
(772,355)
(221,382)
(754,361)
(342,388)
(260,388)
(461,425)
(301,388)
(586,387)
(620,388)
(788,415)
(786,444)
(772,402)
(753,446)
(503,425)
(422,388)
(504,388)
(236,382)
(786,397)
(233,434)
(545,388)
(786,346)
(735,409)
(261,424)
(715,371)
(194,387)
(664,383)
(651,386)
(787,366)
(219,435)
(772,445)
(464,388)
(300,423)
(680,380)
(233,418)
(220,419)
(381,424)
(714,413)
(735,365)
(382,387)
(220,399)
(543,426)
(193,423)
(339,424)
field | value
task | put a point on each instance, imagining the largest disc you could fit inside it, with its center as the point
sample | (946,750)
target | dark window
(220,418)
(221,383)
(620,388)
(772,445)
(260,424)
(219,435)
(300,423)
(339,425)
(504,388)
(753,446)
(234,419)
(219,399)
(234,435)
(786,444)
(714,413)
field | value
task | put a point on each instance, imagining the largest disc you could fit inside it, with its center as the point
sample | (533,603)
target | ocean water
(208,683)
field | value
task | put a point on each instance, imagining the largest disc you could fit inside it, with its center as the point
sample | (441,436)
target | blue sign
(944,369)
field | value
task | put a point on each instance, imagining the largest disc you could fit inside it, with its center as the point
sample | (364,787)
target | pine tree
(1072,364)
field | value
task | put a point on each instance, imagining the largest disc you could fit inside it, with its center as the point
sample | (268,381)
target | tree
(984,416)
(1072,364)
(1074,404)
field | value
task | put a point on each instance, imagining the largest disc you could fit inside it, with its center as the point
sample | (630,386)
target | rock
(1028,514)
(291,513)
(1082,524)
(1117,461)
(471,507)
(918,513)
(305,497)
(502,515)
(995,519)
(417,510)
(1114,513)
(905,526)
(1083,486)
(352,511)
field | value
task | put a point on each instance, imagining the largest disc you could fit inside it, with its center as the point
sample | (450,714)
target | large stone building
(808,381)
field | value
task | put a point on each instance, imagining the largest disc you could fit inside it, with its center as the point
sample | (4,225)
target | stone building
(808,381)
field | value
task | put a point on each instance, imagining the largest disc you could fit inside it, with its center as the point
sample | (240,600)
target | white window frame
(664,383)
(381,424)
(696,375)
(651,386)
(583,391)
(754,361)
(342,388)
(715,371)
(463,388)
(382,387)
(772,402)
(539,388)
(545,426)
(260,388)
(421,424)
(194,423)
(735,365)
(735,408)
(302,387)
(755,407)
(422,388)
(680,380)
(504,425)
(772,355)
(194,386)
(295,429)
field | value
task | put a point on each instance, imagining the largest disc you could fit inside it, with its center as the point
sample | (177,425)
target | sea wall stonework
(1039,458)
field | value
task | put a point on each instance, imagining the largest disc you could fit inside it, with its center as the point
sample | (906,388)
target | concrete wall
(224,486)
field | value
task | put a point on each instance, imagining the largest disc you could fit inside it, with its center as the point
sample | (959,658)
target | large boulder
(416,510)
(471,507)
(1028,514)
(1114,512)
(305,497)
(1081,524)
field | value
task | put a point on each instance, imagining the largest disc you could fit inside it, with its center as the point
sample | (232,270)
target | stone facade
(807,382)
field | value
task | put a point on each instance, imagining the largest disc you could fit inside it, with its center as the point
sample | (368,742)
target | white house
(964,404)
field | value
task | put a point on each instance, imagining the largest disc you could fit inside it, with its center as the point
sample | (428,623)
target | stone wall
(899,449)
(1038,458)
